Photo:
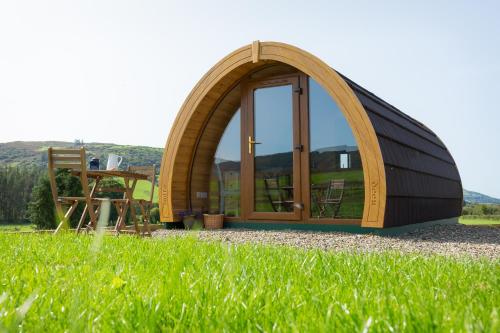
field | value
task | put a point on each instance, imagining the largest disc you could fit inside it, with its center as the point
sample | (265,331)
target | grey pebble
(448,240)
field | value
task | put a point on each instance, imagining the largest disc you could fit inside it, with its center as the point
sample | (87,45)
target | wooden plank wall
(178,190)
(207,146)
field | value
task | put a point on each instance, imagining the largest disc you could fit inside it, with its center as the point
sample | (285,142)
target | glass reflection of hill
(321,160)
(324,166)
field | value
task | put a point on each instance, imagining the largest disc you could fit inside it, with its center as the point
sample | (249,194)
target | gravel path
(450,240)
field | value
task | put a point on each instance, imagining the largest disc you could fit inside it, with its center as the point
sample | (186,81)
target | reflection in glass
(344,161)
(225,176)
(337,188)
(273,129)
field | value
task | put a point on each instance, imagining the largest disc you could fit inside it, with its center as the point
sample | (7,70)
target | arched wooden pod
(179,150)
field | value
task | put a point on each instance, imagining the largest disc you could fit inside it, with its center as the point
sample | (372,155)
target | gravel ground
(449,240)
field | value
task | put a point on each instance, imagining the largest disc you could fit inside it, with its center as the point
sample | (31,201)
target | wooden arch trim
(181,143)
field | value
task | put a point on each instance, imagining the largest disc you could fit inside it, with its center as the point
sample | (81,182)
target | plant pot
(213,221)
(198,224)
(188,221)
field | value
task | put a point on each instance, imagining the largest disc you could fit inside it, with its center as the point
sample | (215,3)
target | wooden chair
(71,159)
(279,201)
(332,197)
(228,187)
(145,205)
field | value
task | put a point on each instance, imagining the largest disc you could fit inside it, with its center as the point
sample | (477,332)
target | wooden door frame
(304,162)
(304,154)
(248,166)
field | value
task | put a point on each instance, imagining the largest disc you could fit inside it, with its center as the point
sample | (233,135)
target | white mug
(114,162)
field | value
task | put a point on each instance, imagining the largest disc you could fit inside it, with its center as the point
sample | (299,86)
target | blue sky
(118,71)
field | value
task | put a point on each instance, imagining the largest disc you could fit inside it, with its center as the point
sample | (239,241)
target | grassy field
(478,221)
(24,227)
(70,283)
(143,190)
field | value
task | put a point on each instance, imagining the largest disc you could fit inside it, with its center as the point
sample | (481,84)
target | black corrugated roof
(423,182)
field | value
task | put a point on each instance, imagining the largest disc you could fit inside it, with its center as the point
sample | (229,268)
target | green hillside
(22,163)
(475,198)
(34,153)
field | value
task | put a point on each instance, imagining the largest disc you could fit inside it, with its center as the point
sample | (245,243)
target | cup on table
(114,162)
(94,164)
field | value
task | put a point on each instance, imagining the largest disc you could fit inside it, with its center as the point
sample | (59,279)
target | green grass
(478,221)
(22,227)
(347,175)
(70,283)
(143,190)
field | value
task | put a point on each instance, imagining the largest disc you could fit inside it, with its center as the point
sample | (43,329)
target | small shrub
(41,209)
(111,183)
(155,215)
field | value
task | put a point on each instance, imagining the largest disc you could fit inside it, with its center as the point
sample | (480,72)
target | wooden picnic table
(113,173)
(129,179)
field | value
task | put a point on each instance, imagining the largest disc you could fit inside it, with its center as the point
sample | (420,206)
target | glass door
(271,142)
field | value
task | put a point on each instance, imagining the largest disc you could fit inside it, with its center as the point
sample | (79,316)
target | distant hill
(475,197)
(34,153)
(341,148)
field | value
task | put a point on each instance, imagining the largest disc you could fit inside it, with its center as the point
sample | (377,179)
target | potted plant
(191,220)
(188,218)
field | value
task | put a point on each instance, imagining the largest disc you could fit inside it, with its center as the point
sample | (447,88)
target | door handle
(251,143)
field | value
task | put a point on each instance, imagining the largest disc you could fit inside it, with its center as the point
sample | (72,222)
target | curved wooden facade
(409,175)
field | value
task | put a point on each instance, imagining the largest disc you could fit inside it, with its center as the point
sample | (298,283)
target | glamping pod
(272,135)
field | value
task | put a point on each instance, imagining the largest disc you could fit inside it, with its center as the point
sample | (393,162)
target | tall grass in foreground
(51,284)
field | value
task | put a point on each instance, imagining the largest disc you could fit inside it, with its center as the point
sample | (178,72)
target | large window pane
(224,196)
(337,189)
(273,129)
